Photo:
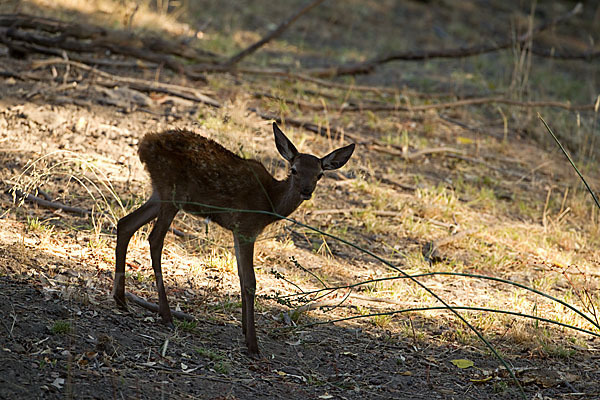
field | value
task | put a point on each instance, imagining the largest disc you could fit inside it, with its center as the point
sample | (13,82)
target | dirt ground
(63,337)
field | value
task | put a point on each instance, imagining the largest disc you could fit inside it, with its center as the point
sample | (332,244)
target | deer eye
(294,171)
(319,176)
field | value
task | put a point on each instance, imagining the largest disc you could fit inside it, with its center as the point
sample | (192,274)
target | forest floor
(483,185)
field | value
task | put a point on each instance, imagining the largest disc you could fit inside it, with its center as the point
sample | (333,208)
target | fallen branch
(382,213)
(154,307)
(552,53)
(416,154)
(419,55)
(307,78)
(136,83)
(394,183)
(11,74)
(317,304)
(272,35)
(67,30)
(319,129)
(479,101)
(339,133)
(292,76)
(296,101)
(29,42)
(376,299)
(431,249)
(436,106)
(76,210)
(51,204)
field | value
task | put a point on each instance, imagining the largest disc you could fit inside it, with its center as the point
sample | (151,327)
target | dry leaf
(462,363)
(58,383)
(481,380)
(464,140)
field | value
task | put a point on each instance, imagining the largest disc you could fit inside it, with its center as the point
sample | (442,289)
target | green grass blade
(570,160)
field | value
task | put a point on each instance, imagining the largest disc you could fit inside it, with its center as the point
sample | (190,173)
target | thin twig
(382,213)
(80,211)
(139,84)
(321,130)
(417,154)
(465,308)
(154,307)
(552,53)
(430,250)
(472,101)
(273,34)
(419,55)
(570,161)
(436,106)
(288,75)
(51,204)
(333,303)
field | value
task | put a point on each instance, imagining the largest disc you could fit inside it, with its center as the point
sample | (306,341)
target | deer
(195,174)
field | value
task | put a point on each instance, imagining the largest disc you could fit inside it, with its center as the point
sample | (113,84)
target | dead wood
(294,76)
(431,250)
(395,183)
(93,32)
(376,299)
(47,203)
(12,74)
(566,55)
(339,133)
(136,83)
(51,204)
(19,49)
(420,55)
(326,131)
(25,42)
(334,303)
(273,34)
(380,213)
(154,307)
(417,154)
(296,101)
(26,21)
(485,100)
(437,106)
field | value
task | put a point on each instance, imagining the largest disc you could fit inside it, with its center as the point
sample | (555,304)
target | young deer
(195,174)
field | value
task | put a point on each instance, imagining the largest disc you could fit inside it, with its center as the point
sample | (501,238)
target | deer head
(306,169)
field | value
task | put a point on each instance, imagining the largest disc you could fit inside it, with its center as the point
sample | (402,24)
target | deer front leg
(244,254)
(157,238)
(126,227)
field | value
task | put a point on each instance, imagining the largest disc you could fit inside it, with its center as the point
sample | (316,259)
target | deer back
(202,177)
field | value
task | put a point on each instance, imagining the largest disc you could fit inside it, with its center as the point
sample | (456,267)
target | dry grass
(145,15)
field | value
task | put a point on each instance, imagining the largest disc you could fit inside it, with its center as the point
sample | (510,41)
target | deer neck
(286,199)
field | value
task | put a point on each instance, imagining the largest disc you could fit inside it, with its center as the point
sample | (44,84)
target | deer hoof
(121,303)
(253,350)
(168,323)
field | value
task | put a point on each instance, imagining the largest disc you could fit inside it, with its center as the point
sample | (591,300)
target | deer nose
(306,194)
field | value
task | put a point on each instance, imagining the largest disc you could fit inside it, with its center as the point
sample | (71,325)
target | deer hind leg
(157,237)
(244,254)
(126,227)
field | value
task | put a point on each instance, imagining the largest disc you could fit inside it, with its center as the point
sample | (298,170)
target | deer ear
(285,147)
(337,158)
